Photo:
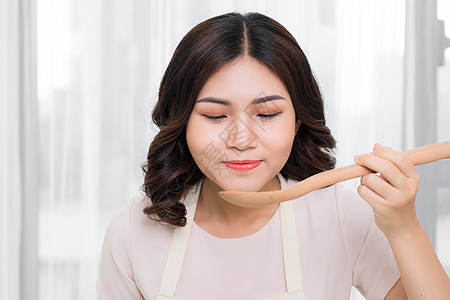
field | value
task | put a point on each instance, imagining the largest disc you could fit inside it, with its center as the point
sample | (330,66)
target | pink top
(339,246)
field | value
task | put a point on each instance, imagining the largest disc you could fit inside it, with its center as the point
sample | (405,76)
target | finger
(372,198)
(383,166)
(401,161)
(378,185)
(377,147)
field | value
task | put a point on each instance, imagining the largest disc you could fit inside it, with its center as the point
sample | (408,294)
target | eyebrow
(254,101)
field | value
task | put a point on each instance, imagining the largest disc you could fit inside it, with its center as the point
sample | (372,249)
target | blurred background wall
(79,79)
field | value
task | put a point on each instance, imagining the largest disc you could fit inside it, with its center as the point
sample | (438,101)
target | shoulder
(134,252)
(131,224)
(132,212)
(118,278)
(336,222)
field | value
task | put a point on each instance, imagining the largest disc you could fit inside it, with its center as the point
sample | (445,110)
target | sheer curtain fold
(29,150)
(10,190)
(17,150)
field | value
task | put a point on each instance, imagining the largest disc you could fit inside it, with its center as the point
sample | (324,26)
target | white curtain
(10,190)
(18,151)
(99,64)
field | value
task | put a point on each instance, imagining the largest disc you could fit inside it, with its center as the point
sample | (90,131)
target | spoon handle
(419,156)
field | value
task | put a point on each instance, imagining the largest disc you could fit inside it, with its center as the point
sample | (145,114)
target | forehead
(244,78)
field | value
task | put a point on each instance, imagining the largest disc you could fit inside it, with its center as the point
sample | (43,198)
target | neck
(224,219)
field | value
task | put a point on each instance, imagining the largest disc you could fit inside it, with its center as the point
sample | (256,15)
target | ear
(297,125)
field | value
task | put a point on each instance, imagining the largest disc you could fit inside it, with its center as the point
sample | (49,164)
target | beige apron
(180,241)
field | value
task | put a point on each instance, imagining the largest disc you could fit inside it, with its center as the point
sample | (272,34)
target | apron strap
(291,259)
(180,240)
(292,271)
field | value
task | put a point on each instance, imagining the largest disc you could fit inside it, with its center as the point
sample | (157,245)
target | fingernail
(357,156)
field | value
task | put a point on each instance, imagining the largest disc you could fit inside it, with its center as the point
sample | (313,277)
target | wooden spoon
(418,156)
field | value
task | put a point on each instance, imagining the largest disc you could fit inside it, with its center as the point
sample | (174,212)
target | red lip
(242,165)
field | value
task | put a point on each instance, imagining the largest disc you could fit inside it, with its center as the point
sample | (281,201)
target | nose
(241,134)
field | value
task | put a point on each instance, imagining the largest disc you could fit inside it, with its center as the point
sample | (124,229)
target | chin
(242,184)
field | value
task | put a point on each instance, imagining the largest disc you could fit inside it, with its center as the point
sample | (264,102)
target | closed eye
(268,116)
(215,118)
(262,116)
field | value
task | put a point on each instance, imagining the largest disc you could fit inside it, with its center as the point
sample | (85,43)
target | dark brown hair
(170,169)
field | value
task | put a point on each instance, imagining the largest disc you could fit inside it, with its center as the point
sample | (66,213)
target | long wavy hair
(170,169)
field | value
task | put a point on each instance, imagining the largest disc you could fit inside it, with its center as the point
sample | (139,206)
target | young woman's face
(242,127)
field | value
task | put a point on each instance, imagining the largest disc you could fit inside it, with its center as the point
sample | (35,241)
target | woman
(239,109)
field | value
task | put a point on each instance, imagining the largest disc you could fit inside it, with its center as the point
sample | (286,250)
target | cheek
(281,141)
(199,136)
(280,138)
